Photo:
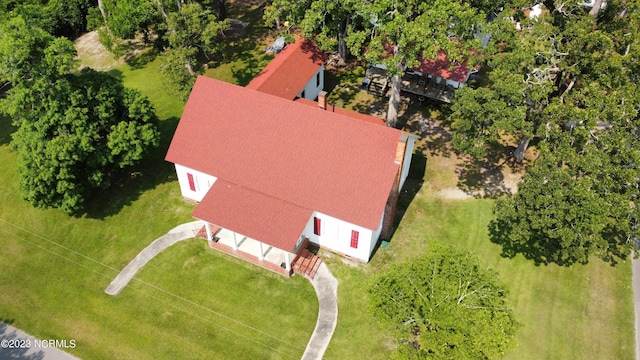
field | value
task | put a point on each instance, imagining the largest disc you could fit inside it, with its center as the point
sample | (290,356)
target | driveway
(15,344)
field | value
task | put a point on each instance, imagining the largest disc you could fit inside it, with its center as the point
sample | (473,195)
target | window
(192,183)
(354,239)
(318,79)
(316,226)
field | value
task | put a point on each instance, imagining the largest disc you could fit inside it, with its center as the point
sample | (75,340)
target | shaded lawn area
(582,312)
(191,302)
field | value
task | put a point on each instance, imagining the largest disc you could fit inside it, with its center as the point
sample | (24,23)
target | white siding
(335,234)
(376,235)
(312,89)
(408,153)
(202,182)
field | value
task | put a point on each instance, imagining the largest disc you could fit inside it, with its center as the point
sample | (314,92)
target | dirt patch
(92,53)
(453,176)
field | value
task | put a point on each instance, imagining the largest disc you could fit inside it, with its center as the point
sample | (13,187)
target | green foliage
(566,79)
(175,71)
(291,11)
(76,137)
(74,132)
(57,17)
(444,305)
(28,53)
(126,18)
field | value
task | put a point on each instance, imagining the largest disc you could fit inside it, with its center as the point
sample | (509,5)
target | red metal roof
(316,159)
(230,206)
(443,68)
(288,73)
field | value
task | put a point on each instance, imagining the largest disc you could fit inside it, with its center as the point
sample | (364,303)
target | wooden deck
(427,88)
(306,264)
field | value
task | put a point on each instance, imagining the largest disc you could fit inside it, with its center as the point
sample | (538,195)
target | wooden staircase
(378,85)
(306,264)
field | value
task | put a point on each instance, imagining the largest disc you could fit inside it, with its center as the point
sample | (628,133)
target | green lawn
(582,312)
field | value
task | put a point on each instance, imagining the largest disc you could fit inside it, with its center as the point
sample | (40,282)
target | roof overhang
(264,218)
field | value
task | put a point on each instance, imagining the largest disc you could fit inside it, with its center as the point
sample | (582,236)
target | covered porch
(252,226)
(251,250)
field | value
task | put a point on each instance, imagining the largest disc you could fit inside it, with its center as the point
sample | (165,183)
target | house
(432,78)
(297,72)
(271,174)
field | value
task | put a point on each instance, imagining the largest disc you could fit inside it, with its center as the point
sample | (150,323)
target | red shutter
(316,226)
(354,239)
(192,184)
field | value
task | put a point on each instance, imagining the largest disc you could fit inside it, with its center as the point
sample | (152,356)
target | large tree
(567,79)
(329,23)
(75,132)
(444,305)
(400,33)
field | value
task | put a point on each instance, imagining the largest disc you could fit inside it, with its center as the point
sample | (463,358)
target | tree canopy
(187,31)
(396,34)
(74,131)
(444,305)
(568,79)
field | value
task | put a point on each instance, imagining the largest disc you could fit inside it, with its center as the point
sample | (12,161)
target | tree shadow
(138,58)
(498,234)
(246,49)
(128,185)
(116,74)
(244,75)
(20,351)
(544,252)
(6,129)
(484,178)
(420,118)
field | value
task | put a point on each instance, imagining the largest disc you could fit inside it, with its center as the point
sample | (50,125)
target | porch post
(235,242)
(287,262)
(207,227)
(261,257)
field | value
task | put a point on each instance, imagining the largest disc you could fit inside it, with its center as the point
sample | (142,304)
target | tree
(291,11)
(28,53)
(568,79)
(402,32)
(79,133)
(74,132)
(329,22)
(192,31)
(444,305)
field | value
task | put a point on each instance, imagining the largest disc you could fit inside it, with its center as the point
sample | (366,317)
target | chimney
(322,100)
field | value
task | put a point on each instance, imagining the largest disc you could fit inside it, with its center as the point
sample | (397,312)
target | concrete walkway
(180,232)
(326,287)
(18,345)
(324,283)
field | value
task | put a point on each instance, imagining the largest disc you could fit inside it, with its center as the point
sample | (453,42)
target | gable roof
(240,209)
(287,74)
(315,159)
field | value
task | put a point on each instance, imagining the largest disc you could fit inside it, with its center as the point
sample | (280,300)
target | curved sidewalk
(180,232)
(326,287)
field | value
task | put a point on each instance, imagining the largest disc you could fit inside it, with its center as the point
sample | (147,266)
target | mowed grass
(189,303)
(581,312)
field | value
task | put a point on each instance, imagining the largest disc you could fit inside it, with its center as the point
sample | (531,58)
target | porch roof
(259,216)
